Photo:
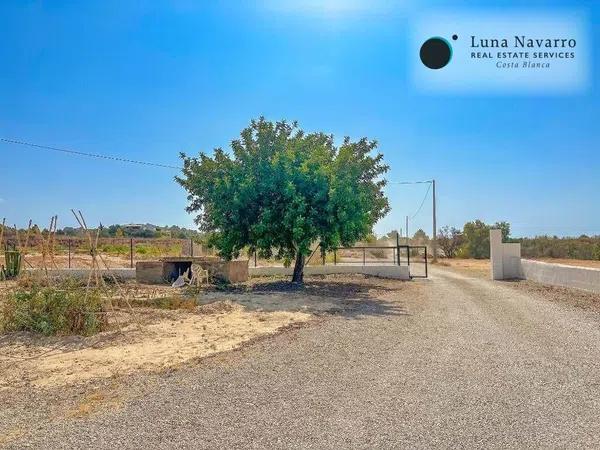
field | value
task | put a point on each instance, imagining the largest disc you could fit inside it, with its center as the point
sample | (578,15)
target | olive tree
(280,191)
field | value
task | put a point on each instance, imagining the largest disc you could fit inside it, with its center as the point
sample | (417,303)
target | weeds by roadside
(62,308)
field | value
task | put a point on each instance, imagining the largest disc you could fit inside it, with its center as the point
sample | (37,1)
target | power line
(410,182)
(422,202)
(90,155)
(134,161)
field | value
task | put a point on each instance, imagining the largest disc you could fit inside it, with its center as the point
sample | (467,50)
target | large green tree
(281,191)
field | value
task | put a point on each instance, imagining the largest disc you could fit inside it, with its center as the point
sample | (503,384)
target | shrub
(114,249)
(53,310)
(153,250)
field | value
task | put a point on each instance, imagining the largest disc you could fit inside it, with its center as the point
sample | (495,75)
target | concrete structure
(167,269)
(149,272)
(562,275)
(396,272)
(230,271)
(191,248)
(506,263)
(505,259)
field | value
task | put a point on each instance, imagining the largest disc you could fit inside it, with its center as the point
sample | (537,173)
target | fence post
(131,252)
(364,256)
(191,247)
(254,258)
(425,261)
(69,253)
(335,256)
(398,247)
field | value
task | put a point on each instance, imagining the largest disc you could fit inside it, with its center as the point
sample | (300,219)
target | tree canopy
(281,191)
(477,237)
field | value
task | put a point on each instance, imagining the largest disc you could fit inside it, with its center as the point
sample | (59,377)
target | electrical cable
(91,155)
(422,203)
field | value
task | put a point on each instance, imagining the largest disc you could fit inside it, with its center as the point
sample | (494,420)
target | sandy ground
(475,267)
(157,339)
(150,339)
(169,340)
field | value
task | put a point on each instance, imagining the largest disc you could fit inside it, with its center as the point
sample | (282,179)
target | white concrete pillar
(496,255)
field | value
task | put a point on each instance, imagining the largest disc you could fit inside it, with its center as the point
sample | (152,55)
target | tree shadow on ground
(351,297)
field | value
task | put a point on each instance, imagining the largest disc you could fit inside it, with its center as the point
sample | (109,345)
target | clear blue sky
(148,81)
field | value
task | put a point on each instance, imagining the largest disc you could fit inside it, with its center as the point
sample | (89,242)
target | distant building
(131,228)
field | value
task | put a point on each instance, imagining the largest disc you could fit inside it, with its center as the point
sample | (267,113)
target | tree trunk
(298,276)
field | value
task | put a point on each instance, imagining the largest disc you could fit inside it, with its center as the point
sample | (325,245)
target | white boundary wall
(506,263)
(505,259)
(396,272)
(562,275)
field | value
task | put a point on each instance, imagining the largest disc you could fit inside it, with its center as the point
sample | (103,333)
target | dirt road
(455,362)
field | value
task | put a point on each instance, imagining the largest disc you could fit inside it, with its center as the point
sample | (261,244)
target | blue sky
(147,81)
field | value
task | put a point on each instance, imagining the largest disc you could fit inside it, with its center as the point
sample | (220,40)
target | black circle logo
(436,52)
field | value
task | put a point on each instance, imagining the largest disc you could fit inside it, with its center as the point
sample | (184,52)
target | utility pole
(434,245)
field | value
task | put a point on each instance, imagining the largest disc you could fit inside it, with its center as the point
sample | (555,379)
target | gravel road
(451,362)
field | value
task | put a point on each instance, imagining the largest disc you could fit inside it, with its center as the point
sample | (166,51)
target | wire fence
(75,252)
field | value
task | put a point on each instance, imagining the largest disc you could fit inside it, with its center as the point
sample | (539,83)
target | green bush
(114,249)
(52,310)
(157,250)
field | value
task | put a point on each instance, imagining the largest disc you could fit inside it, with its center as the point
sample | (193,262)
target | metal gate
(413,256)
(416,260)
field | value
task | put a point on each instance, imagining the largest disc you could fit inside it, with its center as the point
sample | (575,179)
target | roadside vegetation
(63,308)
(473,241)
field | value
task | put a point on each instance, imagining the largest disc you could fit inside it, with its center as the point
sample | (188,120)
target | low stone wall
(561,275)
(396,272)
(121,274)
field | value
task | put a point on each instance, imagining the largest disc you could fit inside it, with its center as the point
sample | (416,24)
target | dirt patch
(573,297)
(164,338)
(94,401)
(474,267)
(164,341)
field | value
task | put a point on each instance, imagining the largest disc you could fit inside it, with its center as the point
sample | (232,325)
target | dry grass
(476,267)
(93,402)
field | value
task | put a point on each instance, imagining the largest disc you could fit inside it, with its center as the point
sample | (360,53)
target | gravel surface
(449,362)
